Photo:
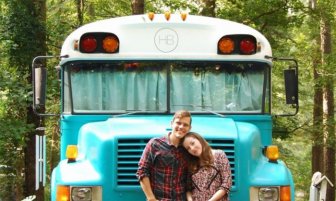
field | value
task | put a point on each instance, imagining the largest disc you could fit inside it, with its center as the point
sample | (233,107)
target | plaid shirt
(166,167)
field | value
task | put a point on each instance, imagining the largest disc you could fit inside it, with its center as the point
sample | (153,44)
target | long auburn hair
(206,157)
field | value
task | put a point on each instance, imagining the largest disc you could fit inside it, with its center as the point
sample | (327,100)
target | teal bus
(123,78)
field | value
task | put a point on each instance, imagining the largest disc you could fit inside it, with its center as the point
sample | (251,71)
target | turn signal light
(272,152)
(63,193)
(71,152)
(99,43)
(110,44)
(285,193)
(237,44)
(226,45)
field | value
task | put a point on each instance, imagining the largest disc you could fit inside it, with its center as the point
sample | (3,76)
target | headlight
(81,193)
(268,194)
(78,193)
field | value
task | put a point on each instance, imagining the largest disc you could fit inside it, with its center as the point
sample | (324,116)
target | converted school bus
(122,79)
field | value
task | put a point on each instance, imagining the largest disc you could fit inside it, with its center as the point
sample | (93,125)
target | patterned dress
(208,180)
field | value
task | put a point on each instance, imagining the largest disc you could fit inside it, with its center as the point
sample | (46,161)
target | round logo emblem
(166,40)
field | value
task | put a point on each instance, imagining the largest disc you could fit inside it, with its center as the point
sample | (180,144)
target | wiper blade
(128,112)
(203,108)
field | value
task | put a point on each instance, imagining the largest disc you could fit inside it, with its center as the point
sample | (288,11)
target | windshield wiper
(130,112)
(127,112)
(203,109)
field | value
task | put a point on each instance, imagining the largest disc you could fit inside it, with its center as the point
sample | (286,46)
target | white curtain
(217,92)
(115,90)
(118,90)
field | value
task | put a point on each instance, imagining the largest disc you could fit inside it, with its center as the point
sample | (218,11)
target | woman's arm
(218,195)
(225,171)
(223,165)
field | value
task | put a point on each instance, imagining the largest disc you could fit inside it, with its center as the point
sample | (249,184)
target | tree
(80,11)
(208,8)
(138,7)
(317,135)
(328,105)
(323,150)
(25,29)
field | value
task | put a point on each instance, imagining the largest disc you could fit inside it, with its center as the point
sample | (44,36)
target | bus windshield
(165,86)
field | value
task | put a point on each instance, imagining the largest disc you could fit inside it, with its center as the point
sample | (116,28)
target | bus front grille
(130,150)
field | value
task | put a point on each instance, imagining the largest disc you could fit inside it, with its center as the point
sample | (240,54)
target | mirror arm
(296,66)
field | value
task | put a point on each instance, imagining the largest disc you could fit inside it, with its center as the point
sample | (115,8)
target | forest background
(300,29)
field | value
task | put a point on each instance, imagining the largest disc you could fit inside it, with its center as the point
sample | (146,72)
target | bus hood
(137,127)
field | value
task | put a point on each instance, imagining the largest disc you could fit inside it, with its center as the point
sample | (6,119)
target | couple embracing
(181,166)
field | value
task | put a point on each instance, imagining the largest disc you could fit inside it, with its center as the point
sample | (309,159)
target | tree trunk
(80,11)
(317,135)
(138,7)
(209,7)
(38,12)
(328,107)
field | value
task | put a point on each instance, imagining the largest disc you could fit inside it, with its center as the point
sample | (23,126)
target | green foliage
(291,27)
(20,35)
(272,17)
(13,127)
(295,151)
(174,6)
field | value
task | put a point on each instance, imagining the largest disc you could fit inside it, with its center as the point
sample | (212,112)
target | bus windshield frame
(119,87)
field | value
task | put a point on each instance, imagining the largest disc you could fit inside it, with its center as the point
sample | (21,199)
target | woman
(209,170)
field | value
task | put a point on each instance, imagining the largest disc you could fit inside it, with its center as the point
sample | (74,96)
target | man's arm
(147,189)
(189,196)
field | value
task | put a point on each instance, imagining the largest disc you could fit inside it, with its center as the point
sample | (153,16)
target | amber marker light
(183,16)
(76,45)
(72,152)
(272,152)
(110,44)
(167,15)
(225,45)
(63,193)
(285,194)
(151,16)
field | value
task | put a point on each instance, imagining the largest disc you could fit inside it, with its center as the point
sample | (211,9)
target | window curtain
(118,90)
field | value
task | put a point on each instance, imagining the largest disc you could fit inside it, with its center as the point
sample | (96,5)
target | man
(163,167)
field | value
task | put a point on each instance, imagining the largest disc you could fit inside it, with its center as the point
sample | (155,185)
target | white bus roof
(140,38)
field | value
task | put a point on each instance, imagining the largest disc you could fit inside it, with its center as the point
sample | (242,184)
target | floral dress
(209,179)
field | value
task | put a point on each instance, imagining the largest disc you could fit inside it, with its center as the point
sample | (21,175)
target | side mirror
(291,86)
(39,84)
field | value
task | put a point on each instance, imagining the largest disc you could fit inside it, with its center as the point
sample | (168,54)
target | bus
(123,78)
